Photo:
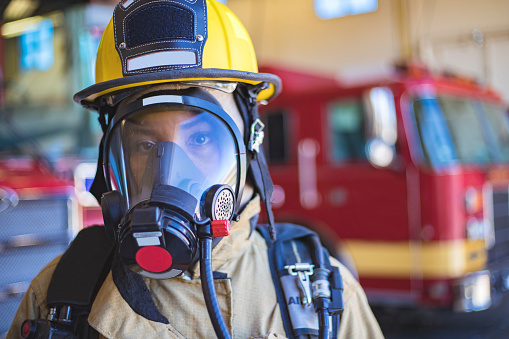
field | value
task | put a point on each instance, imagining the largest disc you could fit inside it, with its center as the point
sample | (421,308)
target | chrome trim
(13,290)
(489,221)
(8,198)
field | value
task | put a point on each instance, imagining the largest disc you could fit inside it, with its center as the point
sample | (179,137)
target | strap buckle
(302,271)
(257,135)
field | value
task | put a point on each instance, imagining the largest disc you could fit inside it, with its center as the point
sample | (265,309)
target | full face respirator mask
(175,168)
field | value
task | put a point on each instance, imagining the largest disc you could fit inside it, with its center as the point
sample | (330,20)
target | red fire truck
(42,207)
(407,174)
(38,218)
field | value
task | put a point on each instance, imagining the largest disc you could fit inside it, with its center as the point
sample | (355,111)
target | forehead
(161,116)
(167,124)
(226,100)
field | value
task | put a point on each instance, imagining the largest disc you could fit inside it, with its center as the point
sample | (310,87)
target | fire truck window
(277,138)
(436,141)
(451,131)
(499,127)
(463,123)
(347,131)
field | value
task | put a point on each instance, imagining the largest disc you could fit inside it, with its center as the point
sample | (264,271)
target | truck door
(363,183)
(330,183)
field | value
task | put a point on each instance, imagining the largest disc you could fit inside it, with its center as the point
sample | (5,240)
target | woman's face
(194,133)
(199,147)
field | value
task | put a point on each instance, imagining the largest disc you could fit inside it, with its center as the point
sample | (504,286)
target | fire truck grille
(500,250)
(31,234)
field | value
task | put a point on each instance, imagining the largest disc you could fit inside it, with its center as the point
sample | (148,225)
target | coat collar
(231,246)
(133,288)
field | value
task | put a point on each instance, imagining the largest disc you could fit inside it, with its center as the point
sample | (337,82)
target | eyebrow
(189,123)
(183,125)
(139,128)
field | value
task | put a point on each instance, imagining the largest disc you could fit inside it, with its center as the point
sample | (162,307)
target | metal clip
(257,135)
(302,271)
(52,314)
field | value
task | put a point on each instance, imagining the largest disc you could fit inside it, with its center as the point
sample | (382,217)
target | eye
(199,139)
(144,146)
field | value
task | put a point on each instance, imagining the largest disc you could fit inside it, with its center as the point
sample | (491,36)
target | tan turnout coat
(247,298)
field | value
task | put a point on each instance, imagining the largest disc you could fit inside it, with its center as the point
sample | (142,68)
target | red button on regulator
(220,228)
(154,259)
(25,329)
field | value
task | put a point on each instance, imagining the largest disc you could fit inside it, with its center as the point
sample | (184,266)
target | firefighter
(177,90)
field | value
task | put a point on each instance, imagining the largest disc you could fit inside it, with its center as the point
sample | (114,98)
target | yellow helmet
(153,42)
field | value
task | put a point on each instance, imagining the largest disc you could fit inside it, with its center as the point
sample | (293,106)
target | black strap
(282,252)
(135,292)
(264,231)
(99,184)
(79,275)
(264,184)
(81,270)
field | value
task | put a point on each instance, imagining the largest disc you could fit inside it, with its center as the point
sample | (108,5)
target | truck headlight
(473,200)
(475,229)
(473,292)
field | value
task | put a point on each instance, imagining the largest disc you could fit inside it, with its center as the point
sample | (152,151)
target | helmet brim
(90,96)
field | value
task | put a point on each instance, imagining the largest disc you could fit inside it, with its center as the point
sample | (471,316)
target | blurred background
(404,102)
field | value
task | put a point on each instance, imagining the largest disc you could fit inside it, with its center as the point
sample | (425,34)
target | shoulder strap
(79,275)
(296,246)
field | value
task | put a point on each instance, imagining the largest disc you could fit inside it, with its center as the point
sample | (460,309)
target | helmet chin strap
(258,172)
(263,182)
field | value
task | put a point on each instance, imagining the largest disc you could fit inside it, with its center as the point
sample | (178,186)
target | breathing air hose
(323,329)
(321,295)
(207,284)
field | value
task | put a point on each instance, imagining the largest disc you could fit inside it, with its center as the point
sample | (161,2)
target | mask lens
(185,148)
